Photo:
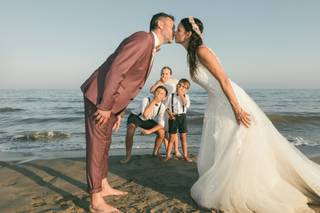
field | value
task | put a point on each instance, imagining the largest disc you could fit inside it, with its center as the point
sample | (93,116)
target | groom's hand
(116,125)
(102,116)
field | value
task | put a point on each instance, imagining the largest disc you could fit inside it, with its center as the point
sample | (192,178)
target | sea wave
(31,99)
(65,107)
(43,136)
(282,119)
(295,118)
(81,112)
(195,120)
(300,141)
(47,120)
(9,109)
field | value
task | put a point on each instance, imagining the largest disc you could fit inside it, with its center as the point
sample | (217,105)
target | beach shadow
(81,203)
(56,173)
(173,179)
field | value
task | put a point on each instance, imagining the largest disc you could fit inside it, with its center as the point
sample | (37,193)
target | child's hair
(184,81)
(168,68)
(162,87)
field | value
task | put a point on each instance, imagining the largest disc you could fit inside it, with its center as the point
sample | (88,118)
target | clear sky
(58,44)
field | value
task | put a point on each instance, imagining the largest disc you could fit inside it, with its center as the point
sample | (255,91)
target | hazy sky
(58,44)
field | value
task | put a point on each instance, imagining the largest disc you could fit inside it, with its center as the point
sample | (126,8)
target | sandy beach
(59,185)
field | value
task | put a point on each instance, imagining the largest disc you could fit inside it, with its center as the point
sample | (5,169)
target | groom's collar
(156,39)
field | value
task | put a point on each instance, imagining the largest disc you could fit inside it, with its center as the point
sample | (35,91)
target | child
(177,108)
(144,117)
(170,84)
(166,80)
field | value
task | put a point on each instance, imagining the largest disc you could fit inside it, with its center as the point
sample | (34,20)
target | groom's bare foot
(107,190)
(112,192)
(125,161)
(98,205)
(103,209)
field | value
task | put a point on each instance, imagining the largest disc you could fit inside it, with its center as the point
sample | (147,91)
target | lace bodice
(205,79)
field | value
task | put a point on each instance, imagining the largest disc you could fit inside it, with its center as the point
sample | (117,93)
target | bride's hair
(194,43)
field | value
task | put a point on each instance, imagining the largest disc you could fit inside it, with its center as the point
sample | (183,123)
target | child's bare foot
(125,161)
(160,157)
(187,159)
(177,157)
(166,159)
(177,154)
(156,154)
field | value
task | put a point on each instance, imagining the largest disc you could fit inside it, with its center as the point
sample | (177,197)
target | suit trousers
(98,141)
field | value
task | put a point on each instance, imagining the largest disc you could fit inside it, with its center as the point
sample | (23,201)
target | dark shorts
(138,122)
(180,123)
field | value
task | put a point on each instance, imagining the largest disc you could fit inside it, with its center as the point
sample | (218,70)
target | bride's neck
(185,45)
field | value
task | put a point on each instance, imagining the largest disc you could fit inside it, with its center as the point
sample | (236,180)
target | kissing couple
(244,163)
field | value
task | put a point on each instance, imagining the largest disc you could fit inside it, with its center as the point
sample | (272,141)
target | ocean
(45,121)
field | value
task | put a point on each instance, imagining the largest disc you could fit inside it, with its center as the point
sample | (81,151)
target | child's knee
(161,133)
(131,127)
(172,137)
(184,134)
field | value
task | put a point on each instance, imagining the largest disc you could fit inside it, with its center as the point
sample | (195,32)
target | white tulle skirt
(250,169)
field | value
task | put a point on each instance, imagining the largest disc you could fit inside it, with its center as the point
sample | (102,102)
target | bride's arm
(210,61)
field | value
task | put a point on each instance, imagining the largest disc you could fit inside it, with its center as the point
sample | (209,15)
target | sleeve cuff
(105,107)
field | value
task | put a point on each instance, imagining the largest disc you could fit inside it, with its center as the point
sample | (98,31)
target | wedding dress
(251,169)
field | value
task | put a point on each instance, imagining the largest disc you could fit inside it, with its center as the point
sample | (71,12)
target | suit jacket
(119,79)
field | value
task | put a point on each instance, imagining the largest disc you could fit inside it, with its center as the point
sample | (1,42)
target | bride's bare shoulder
(202,47)
(203,52)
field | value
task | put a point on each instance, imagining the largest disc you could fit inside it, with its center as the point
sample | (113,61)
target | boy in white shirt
(145,118)
(177,106)
(170,84)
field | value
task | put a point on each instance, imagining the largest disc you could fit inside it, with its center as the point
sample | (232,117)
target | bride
(244,163)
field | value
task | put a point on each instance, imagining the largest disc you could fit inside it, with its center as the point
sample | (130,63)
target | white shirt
(156,39)
(156,43)
(171,85)
(175,103)
(157,112)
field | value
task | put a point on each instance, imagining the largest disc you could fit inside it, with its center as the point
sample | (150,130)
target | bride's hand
(242,117)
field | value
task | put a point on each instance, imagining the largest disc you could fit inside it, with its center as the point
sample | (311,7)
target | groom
(108,91)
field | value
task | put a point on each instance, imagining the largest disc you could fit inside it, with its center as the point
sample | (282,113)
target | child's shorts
(137,121)
(180,123)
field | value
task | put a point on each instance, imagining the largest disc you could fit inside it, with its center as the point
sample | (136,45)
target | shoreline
(30,156)
(310,152)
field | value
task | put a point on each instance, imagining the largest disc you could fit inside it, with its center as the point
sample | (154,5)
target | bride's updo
(196,27)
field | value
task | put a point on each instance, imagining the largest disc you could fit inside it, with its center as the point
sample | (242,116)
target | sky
(58,44)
